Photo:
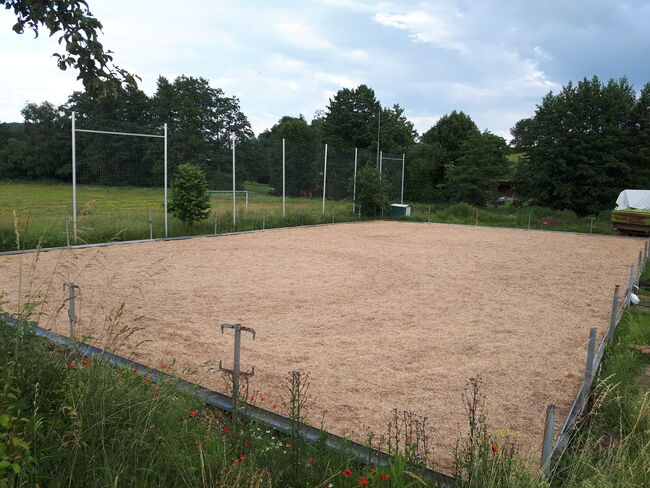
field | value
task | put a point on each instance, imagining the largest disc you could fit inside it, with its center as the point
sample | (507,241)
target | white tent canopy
(638,199)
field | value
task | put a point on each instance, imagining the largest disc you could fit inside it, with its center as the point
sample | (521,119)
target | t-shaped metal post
(236,372)
(72,315)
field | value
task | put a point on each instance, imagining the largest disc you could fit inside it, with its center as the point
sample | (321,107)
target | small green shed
(400,210)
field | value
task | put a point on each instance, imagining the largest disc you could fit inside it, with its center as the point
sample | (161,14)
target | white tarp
(639,199)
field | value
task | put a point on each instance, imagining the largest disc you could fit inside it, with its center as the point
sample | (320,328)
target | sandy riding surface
(381,315)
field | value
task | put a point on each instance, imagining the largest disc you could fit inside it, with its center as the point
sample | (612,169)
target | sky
(492,59)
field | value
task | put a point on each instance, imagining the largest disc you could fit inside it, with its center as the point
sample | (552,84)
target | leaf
(4,420)
(16,468)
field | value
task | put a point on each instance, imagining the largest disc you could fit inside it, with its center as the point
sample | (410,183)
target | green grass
(118,214)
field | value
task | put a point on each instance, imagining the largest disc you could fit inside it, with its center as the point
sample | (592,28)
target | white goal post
(130,134)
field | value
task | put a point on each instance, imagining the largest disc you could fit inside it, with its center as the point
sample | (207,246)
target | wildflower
(288,446)
(164,366)
(347,473)
(372,470)
(147,379)
(246,444)
(275,406)
(134,372)
(156,395)
(72,365)
(252,399)
(208,431)
(236,461)
(384,477)
(226,429)
(85,362)
(310,460)
(261,399)
(241,458)
(193,414)
(197,446)
(495,448)
(363,481)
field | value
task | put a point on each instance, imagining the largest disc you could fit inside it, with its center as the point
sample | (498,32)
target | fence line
(552,450)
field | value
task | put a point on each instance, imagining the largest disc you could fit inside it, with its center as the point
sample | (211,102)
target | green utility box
(400,210)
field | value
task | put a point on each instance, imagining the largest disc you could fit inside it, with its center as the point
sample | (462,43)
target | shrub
(189,200)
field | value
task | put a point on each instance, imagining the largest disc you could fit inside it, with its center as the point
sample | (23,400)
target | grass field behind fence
(110,214)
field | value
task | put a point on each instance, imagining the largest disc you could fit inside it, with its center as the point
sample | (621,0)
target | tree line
(577,151)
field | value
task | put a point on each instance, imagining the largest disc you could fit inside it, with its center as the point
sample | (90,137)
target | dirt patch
(381,314)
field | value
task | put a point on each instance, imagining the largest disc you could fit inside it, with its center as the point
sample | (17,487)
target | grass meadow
(38,211)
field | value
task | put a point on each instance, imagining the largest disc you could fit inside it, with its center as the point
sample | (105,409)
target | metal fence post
(630,282)
(591,224)
(72,312)
(263,219)
(547,447)
(529,220)
(639,268)
(150,226)
(67,230)
(614,316)
(589,369)
(236,371)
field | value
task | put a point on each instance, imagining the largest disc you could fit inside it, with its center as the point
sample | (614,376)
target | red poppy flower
(363,481)
(156,395)
(287,446)
(495,448)
(72,365)
(310,460)
(147,379)
(275,406)
(226,429)
(252,399)
(242,458)
(372,470)
(85,362)
(236,461)
(261,399)
(384,477)
(164,366)
(192,414)
(246,444)
(347,473)
(197,446)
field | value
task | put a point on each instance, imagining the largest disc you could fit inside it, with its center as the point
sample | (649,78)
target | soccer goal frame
(74,165)
(383,158)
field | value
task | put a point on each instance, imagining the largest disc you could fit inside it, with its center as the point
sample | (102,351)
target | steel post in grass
(614,316)
(354,182)
(284,173)
(74,177)
(324,177)
(263,219)
(67,230)
(236,371)
(589,369)
(246,200)
(630,282)
(529,220)
(165,165)
(234,200)
(591,225)
(639,267)
(72,312)
(402,195)
(150,226)
(547,446)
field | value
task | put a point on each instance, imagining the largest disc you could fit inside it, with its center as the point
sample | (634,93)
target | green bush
(189,200)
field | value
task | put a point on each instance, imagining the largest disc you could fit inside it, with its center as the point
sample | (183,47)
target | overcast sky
(493,59)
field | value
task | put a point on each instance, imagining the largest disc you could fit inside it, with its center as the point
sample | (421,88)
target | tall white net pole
(284,175)
(402,197)
(324,177)
(234,202)
(165,167)
(354,182)
(74,177)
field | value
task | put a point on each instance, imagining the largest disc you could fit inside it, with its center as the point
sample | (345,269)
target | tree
(78,31)
(397,133)
(371,194)
(451,131)
(481,164)
(351,118)
(200,123)
(425,172)
(576,146)
(189,200)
